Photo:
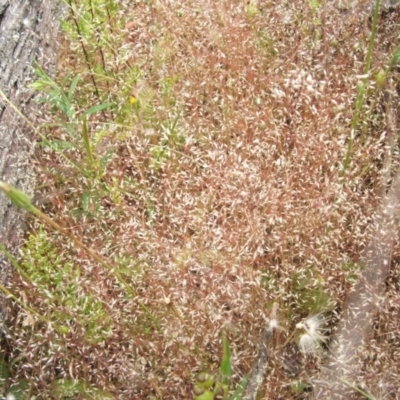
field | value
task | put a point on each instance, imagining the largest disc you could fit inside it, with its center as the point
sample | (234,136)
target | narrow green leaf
(77,166)
(57,144)
(85,201)
(86,140)
(72,88)
(4,372)
(366,395)
(39,85)
(96,109)
(226,367)
(207,395)
(14,262)
(395,61)
(238,393)
(172,132)
(45,83)
(205,380)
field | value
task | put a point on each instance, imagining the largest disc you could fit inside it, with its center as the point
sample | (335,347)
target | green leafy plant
(22,200)
(67,388)
(61,98)
(208,387)
(170,142)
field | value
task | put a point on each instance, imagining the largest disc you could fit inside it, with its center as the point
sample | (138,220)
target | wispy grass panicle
(196,152)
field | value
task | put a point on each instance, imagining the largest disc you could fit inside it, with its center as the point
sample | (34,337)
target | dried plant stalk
(260,368)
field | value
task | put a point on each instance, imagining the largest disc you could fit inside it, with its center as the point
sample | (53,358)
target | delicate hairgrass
(197,150)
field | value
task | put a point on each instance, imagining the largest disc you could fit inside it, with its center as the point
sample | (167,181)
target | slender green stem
(14,262)
(23,305)
(86,54)
(86,142)
(369,397)
(7,101)
(373,35)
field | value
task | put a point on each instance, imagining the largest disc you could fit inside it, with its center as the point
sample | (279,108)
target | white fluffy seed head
(274,325)
(310,340)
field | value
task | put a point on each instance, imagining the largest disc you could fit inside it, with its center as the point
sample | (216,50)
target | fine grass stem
(366,395)
(85,52)
(24,305)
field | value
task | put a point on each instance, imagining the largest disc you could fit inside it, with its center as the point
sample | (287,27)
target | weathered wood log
(28,31)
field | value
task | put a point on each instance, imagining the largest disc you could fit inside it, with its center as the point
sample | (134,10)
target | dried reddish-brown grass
(266,104)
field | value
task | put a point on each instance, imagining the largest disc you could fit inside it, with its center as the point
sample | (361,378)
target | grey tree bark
(28,32)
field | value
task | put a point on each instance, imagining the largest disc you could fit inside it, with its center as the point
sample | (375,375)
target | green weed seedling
(68,388)
(23,201)
(78,138)
(56,281)
(19,390)
(210,387)
(61,389)
(170,141)
(307,287)
(252,9)
(62,100)
(59,97)
(309,293)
